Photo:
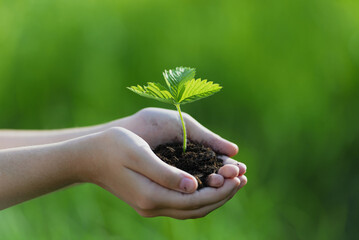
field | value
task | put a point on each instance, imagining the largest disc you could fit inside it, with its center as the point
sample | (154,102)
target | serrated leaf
(194,90)
(182,88)
(176,77)
(153,90)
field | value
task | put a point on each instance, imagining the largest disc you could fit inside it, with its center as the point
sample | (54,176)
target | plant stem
(183,127)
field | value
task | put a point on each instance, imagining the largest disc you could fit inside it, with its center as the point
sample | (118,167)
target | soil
(198,160)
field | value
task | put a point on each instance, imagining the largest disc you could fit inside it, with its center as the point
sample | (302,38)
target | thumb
(148,164)
(201,134)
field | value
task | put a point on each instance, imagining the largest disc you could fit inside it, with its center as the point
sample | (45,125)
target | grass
(290,77)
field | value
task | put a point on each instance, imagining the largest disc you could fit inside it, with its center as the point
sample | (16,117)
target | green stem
(184,128)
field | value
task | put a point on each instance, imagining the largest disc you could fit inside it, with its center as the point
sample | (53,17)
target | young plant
(181,87)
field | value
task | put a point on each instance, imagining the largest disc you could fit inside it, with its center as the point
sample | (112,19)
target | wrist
(83,157)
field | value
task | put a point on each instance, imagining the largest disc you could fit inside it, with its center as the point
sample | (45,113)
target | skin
(117,156)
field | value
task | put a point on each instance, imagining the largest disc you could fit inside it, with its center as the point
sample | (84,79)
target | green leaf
(155,91)
(182,87)
(194,90)
(176,77)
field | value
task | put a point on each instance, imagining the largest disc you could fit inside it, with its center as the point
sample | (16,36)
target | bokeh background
(290,72)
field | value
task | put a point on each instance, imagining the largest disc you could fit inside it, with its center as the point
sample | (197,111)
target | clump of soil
(198,160)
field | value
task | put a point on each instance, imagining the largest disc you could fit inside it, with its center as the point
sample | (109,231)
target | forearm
(21,138)
(29,172)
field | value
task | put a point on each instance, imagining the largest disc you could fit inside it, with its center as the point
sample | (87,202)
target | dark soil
(198,160)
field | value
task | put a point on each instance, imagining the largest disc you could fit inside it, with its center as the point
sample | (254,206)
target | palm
(157,126)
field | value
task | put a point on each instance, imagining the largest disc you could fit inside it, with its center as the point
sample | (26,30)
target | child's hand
(158,126)
(33,163)
(124,164)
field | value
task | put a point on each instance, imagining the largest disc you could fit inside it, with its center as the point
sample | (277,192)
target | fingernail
(187,185)
(236,146)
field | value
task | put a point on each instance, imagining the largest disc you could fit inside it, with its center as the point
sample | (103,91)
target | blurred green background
(290,72)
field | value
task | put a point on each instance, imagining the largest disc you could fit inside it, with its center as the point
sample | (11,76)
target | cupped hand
(159,126)
(124,164)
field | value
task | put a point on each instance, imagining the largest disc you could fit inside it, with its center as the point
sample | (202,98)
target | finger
(144,194)
(242,167)
(199,133)
(191,214)
(229,171)
(145,162)
(215,180)
(198,199)
(243,180)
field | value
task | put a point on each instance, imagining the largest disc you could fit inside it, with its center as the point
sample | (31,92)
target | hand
(124,164)
(33,163)
(158,126)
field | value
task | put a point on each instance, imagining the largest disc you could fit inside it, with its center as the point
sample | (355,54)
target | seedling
(181,88)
